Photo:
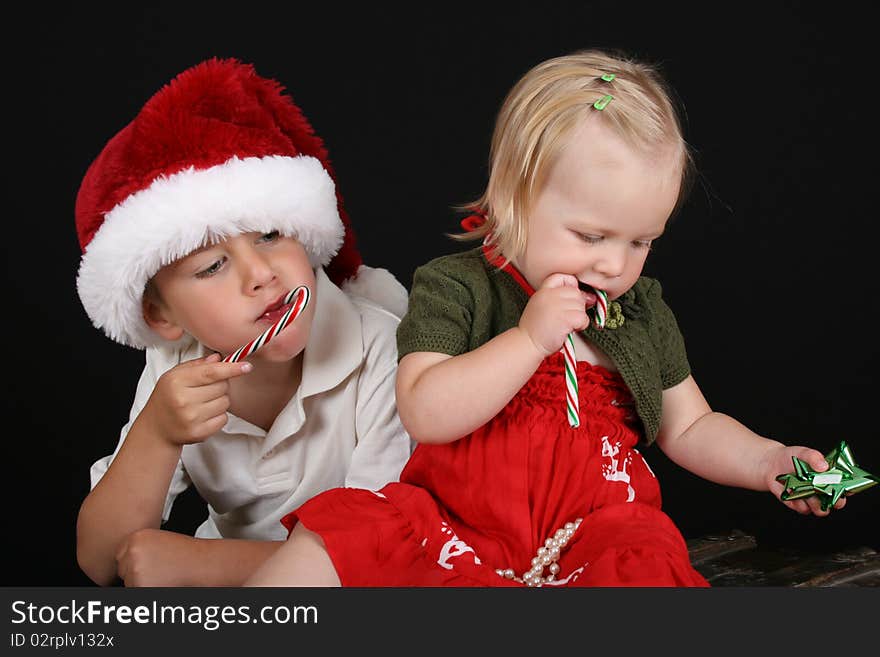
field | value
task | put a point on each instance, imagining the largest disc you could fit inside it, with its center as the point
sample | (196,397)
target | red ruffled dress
(475,512)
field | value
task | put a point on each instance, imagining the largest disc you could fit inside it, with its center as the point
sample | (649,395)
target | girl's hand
(778,461)
(558,308)
(190,400)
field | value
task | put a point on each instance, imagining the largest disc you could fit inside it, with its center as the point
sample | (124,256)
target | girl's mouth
(589,289)
(586,288)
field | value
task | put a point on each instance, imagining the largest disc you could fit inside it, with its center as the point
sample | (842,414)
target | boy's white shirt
(341,428)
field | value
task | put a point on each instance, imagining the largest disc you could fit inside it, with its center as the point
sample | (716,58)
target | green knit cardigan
(459,302)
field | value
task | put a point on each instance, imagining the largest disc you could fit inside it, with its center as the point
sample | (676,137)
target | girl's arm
(441,398)
(716,447)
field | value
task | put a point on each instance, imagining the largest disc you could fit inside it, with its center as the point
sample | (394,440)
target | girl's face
(228,293)
(601,206)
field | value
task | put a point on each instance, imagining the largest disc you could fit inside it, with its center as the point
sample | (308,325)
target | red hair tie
(473,222)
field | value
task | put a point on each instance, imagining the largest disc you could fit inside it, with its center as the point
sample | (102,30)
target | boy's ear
(157,318)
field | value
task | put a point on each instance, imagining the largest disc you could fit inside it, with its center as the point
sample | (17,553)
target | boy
(195,221)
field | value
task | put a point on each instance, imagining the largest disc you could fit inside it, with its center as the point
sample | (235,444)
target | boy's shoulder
(377,286)
(378,326)
(377,296)
(374,316)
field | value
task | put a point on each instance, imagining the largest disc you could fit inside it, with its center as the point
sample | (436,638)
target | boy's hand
(778,461)
(190,400)
(155,557)
(558,308)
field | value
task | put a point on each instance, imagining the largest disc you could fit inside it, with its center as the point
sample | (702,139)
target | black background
(768,268)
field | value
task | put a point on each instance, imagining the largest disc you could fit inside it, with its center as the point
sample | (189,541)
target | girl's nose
(611,261)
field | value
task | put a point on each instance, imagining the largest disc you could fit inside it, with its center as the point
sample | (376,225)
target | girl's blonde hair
(543,108)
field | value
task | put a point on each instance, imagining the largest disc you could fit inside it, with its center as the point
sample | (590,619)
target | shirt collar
(335,347)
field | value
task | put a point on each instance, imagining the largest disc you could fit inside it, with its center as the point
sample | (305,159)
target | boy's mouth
(275,310)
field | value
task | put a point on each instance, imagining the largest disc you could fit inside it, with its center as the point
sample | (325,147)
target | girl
(588,163)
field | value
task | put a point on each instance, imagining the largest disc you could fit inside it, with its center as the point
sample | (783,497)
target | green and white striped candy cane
(600,311)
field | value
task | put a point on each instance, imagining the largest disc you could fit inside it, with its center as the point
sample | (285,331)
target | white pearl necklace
(548,555)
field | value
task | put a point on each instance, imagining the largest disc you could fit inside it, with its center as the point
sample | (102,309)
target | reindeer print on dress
(454,547)
(612,472)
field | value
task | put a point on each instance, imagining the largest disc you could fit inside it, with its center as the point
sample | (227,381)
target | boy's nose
(257,271)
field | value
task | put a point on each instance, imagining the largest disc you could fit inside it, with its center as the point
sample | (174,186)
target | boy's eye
(212,269)
(270,237)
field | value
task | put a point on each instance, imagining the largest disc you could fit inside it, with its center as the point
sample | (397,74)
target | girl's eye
(212,269)
(642,244)
(590,239)
(270,237)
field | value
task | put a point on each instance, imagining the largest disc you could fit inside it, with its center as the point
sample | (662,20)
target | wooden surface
(737,560)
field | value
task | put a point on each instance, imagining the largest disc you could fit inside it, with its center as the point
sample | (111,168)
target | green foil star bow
(843,477)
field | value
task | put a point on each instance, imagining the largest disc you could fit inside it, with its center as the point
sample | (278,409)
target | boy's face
(228,293)
(599,209)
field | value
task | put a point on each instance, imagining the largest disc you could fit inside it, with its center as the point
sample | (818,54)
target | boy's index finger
(214,371)
(213,357)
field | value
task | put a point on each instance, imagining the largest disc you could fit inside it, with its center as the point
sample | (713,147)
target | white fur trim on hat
(379,286)
(177,214)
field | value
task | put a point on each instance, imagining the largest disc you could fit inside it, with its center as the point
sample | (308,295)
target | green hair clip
(608,77)
(602,103)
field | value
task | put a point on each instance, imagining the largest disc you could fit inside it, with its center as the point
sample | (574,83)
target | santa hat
(216,152)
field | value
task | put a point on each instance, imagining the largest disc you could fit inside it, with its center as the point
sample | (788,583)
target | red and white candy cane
(300,298)
(600,311)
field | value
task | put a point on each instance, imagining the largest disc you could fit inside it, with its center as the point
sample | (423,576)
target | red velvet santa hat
(216,152)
